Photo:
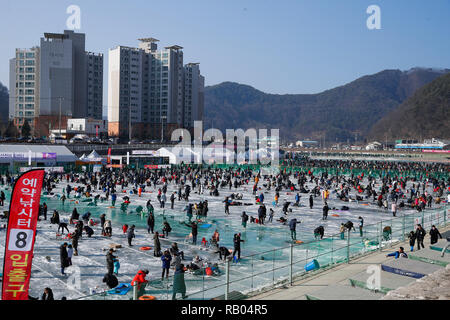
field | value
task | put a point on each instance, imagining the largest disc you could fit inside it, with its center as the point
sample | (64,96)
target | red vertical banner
(108,160)
(21,234)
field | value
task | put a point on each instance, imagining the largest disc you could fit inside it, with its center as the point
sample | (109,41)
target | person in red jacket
(140,281)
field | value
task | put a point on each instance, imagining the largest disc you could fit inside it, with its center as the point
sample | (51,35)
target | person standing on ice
(237,245)
(311,202)
(172,200)
(130,234)
(110,261)
(227,206)
(194,231)
(156,245)
(113,199)
(150,222)
(325,211)
(166,259)
(179,285)
(64,257)
(361,225)
(292,227)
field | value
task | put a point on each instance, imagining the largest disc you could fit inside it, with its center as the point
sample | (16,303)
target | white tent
(83,157)
(163,152)
(186,155)
(94,157)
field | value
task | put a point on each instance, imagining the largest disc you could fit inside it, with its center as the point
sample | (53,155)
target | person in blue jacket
(400,253)
(113,199)
(166,258)
(297,200)
(261,198)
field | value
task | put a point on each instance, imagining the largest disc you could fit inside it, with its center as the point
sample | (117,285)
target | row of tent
(178,155)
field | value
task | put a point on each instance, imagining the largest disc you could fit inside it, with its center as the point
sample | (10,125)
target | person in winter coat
(223,252)
(342,231)
(271,215)
(174,250)
(292,227)
(434,234)
(166,259)
(311,202)
(420,235)
(260,215)
(166,228)
(319,232)
(69,254)
(172,200)
(102,223)
(75,238)
(75,215)
(237,245)
(140,281)
(130,234)
(176,261)
(194,231)
(325,211)
(64,257)
(398,254)
(48,294)
(55,218)
(156,245)
(110,280)
(412,240)
(108,228)
(179,286)
(244,219)
(361,225)
(150,222)
(110,261)
(88,231)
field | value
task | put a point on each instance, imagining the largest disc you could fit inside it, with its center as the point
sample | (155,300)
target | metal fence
(282,266)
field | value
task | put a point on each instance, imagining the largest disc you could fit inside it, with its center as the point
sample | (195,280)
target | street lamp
(162,128)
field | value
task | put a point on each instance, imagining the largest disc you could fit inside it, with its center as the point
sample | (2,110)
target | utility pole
(129,122)
(162,128)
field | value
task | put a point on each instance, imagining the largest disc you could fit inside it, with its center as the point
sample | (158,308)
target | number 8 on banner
(20,240)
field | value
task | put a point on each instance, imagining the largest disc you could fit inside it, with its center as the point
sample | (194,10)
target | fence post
(380,234)
(403,228)
(227,276)
(291,261)
(348,246)
(135,292)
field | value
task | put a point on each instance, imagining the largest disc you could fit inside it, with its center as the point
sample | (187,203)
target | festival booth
(91,162)
(16,158)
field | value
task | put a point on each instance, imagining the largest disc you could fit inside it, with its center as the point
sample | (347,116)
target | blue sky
(298,46)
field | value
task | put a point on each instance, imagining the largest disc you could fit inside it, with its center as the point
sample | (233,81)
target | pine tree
(26,129)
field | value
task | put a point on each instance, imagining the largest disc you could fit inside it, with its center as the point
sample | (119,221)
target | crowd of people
(390,193)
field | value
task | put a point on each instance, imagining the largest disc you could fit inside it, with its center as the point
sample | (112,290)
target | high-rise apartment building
(146,91)
(94,66)
(68,82)
(24,84)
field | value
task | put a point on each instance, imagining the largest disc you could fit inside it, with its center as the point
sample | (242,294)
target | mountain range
(338,114)
(426,114)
